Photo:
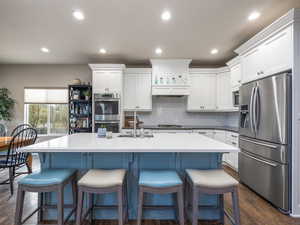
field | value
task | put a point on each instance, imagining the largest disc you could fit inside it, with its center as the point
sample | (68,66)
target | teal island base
(210,207)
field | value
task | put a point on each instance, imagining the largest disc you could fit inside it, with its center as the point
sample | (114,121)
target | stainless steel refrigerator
(265,138)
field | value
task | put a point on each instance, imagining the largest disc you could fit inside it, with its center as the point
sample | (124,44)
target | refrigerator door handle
(258,143)
(251,110)
(255,104)
(260,160)
(258,108)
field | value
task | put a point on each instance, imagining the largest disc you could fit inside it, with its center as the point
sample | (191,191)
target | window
(47,110)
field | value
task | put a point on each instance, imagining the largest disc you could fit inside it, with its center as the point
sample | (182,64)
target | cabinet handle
(234,143)
(202,133)
(234,136)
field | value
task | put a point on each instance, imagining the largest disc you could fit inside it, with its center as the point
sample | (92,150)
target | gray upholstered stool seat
(97,178)
(211,178)
(211,182)
(100,181)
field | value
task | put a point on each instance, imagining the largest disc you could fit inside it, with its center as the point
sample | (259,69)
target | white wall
(16,77)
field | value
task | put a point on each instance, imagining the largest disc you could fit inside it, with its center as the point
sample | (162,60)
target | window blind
(45,96)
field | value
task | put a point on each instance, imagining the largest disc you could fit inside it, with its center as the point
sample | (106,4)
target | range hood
(170,77)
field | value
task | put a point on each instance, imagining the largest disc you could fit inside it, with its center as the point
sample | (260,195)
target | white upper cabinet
(278,52)
(224,92)
(107,78)
(251,65)
(236,76)
(271,56)
(235,73)
(210,90)
(137,90)
(202,92)
(106,81)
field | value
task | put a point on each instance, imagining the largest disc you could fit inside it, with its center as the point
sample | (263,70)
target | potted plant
(87,94)
(6,105)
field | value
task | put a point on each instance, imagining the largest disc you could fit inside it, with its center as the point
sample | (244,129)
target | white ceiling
(130,30)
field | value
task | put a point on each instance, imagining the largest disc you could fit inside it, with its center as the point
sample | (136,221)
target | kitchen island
(163,151)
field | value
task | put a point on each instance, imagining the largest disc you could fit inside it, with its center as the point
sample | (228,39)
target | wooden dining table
(4,145)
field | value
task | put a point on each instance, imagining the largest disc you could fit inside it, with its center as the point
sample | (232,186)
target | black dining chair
(19,128)
(3,130)
(14,132)
(14,158)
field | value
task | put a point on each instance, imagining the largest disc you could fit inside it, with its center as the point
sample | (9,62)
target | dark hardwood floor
(254,210)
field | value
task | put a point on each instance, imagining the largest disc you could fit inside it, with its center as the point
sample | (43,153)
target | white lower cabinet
(220,135)
(232,158)
(171,131)
(231,138)
(207,133)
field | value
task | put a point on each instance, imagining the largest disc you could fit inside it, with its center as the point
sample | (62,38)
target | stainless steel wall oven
(107,111)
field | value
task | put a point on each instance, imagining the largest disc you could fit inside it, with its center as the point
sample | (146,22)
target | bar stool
(160,182)
(49,180)
(98,181)
(212,182)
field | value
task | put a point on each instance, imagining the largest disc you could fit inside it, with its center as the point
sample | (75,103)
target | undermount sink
(137,136)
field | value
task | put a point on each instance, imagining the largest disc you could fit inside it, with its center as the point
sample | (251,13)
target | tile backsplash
(172,110)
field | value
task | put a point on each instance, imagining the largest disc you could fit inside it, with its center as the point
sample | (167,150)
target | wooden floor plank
(254,209)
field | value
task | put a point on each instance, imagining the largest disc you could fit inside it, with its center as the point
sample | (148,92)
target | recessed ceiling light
(214,51)
(45,50)
(158,51)
(102,50)
(253,16)
(78,15)
(166,15)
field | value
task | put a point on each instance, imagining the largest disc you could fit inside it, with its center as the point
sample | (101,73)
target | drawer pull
(234,136)
(260,160)
(257,143)
(234,143)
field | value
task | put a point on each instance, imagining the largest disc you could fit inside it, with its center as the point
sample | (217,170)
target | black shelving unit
(80,109)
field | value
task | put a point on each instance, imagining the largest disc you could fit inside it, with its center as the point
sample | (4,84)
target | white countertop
(161,142)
